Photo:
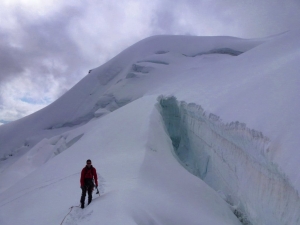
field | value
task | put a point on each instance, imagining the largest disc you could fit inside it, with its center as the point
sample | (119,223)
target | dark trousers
(88,187)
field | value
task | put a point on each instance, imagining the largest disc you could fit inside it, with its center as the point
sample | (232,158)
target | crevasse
(230,158)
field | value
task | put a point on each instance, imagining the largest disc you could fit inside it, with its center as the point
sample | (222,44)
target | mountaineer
(87,178)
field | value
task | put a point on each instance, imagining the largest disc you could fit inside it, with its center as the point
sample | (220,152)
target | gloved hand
(96,186)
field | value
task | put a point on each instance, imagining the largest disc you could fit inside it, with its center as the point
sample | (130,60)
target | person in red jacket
(88,174)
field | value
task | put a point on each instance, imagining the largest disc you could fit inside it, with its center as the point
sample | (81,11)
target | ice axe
(96,188)
(97,191)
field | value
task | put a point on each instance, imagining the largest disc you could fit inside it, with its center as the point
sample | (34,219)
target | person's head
(88,162)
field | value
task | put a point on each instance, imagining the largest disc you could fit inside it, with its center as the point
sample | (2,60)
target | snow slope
(181,129)
(135,191)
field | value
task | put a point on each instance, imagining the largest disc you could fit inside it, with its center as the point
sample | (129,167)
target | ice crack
(230,158)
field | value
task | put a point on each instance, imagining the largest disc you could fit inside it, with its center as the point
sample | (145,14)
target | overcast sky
(48,46)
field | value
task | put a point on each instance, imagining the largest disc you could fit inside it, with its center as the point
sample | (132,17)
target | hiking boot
(82,205)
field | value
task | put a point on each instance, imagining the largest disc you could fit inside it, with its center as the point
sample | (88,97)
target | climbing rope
(71,208)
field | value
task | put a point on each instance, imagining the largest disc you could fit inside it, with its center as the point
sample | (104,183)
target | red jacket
(88,173)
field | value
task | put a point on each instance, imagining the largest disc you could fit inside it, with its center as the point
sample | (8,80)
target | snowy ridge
(81,103)
(230,158)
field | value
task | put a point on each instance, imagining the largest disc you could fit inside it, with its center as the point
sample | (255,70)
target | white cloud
(24,96)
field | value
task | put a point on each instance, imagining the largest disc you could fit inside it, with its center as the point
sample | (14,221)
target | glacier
(181,129)
(230,158)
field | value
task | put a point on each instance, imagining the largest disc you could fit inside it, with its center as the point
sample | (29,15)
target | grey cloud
(163,20)
(42,45)
(44,52)
(10,59)
(245,18)
(190,17)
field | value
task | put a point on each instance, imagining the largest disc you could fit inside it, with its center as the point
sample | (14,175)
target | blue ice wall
(230,159)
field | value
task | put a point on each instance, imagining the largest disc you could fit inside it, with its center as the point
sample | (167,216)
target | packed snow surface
(181,130)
